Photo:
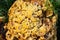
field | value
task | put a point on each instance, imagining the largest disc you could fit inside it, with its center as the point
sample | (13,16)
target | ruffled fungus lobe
(31,20)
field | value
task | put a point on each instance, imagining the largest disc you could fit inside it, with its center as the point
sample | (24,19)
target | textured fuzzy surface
(31,20)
